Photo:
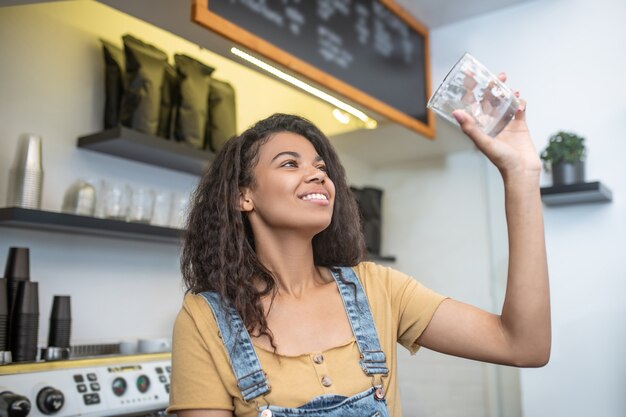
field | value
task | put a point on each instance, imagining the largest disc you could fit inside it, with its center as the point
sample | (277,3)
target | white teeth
(314,197)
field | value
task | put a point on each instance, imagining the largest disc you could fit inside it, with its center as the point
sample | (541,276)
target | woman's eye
(289,164)
(322,168)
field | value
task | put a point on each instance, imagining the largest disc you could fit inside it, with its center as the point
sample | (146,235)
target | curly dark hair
(218,251)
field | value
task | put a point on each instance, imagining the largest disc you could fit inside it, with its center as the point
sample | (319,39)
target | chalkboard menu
(369,51)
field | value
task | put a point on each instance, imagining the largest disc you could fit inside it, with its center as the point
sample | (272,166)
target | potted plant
(565,158)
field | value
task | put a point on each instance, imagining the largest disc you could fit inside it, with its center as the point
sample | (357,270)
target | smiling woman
(283,318)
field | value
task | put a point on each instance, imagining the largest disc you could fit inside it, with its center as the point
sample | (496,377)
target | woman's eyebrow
(290,153)
(294,155)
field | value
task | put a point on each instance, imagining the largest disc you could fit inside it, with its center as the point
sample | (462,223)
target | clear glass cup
(471,87)
(141,205)
(162,208)
(115,200)
(178,213)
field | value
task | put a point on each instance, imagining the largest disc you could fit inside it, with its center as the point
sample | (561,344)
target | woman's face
(291,188)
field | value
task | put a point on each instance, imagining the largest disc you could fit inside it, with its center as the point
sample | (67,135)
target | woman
(282,318)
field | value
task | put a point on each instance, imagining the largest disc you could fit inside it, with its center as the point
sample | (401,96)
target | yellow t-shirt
(202,377)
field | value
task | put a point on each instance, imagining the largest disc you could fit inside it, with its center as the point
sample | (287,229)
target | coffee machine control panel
(102,389)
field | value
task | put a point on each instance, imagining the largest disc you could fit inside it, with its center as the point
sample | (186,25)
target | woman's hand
(512,151)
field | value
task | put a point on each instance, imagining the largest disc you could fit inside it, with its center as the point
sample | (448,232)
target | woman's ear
(245,201)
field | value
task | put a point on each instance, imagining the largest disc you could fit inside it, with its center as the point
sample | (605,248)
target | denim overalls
(252,381)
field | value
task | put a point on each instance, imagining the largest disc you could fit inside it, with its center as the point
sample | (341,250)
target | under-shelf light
(341,116)
(369,122)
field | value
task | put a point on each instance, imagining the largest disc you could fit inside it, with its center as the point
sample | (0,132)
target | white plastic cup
(471,87)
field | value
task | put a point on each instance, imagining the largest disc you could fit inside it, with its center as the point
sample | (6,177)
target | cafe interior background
(442,219)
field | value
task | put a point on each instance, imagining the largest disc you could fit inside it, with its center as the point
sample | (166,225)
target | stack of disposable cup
(17,269)
(25,322)
(60,322)
(4,322)
(26,174)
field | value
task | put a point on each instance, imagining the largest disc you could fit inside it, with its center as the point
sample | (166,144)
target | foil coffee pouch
(169,102)
(195,84)
(113,83)
(222,120)
(145,67)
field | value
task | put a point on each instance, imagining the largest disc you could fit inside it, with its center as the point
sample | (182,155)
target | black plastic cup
(25,322)
(60,322)
(18,264)
(4,315)
(17,269)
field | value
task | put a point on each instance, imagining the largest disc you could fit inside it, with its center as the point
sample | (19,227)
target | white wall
(565,57)
(435,222)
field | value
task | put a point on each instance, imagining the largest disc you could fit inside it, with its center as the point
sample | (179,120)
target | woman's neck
(289,257)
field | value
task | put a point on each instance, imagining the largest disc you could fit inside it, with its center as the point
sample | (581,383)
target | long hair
(218,251)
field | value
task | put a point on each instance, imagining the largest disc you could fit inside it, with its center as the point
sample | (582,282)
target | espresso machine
(111,385)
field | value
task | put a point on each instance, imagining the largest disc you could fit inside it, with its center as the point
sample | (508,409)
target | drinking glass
(141,205)
(162,208)
(178,213)
(115,198)
(471,87)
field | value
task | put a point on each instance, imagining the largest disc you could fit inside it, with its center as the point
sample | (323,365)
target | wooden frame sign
(370,51)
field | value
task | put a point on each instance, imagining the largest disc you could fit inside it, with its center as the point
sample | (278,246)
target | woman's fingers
(502,77)
(520,114)
(469,127)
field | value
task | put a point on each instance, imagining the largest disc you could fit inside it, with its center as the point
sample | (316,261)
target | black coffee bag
(195,84)
(222,121)
(145,67)
(170,93)
(114,63)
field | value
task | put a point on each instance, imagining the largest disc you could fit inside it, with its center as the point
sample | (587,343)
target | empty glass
(178,213)
(471,87)
(115,198)
(162,208)
(141,205)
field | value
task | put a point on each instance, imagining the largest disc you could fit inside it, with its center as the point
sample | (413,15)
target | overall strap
(373,360)
(251,379)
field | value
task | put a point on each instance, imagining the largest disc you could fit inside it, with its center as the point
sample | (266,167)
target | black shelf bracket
(130,144)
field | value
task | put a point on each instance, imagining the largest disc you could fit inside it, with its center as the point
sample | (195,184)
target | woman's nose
(316,175)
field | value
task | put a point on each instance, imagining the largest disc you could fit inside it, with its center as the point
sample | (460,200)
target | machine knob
(50,400)
(13,405)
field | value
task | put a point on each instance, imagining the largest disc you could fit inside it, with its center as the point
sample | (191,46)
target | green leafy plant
(563,147)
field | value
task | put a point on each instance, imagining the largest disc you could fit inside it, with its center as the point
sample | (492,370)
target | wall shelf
(586,192)
(23,218)
(69,223)
(130,144)
(379,258)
